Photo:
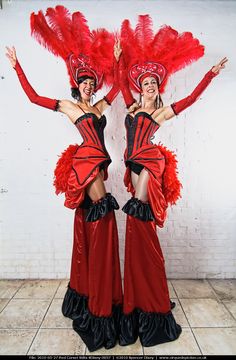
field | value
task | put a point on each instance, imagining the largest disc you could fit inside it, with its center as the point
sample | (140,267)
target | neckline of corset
(80,118)
(143,113)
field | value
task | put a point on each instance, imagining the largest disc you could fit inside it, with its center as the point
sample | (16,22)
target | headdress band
(139,71)
(79,66)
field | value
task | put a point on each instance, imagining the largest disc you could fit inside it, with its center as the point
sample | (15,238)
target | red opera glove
(189,100)
(32,95)
(112,94)
(115,88)
(124,84)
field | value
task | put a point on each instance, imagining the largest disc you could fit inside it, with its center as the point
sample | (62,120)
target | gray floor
(31,321)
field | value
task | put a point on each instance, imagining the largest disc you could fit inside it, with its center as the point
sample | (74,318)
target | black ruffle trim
(57,105)
(138,209)
(152,328)
(101,208)
(96,332)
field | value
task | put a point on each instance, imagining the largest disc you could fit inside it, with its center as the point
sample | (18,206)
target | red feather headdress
(159,55)
(85,52)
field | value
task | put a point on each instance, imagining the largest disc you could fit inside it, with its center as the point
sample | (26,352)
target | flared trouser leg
(147,309)
(94,296)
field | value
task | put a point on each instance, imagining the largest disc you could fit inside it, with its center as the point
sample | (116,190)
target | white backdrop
(36,229)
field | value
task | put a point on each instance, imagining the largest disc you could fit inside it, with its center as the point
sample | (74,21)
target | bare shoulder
(70,109)
(163,114)
(169,112)
(66,105)
(101,105)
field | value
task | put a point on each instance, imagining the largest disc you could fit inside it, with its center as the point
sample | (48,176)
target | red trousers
(146,309)
(95,267)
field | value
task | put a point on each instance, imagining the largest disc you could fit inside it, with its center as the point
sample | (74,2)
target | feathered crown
(159,55)
(85,52)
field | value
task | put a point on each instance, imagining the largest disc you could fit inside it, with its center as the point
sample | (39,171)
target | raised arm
(30,92)
(177,107)
(130,102)
(113,92)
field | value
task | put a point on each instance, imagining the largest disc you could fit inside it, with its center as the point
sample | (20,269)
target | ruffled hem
(96,332)
(138,209)
(101,208)
(152,328)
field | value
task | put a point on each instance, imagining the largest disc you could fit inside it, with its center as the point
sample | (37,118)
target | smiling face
(86,88)
(149,88)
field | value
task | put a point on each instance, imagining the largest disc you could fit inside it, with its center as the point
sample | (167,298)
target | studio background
(36,230)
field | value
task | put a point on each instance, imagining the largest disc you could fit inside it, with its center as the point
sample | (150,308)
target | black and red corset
(140,130)
(91,129)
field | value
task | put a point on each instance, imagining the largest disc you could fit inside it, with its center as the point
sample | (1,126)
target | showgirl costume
(147,306)
(94,295)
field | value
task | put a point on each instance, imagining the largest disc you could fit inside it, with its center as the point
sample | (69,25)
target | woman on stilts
(151,175)
(94,296)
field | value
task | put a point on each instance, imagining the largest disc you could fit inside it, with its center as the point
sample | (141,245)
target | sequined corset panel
(140,129)
(91,129)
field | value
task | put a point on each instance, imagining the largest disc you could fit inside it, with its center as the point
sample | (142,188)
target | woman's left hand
(221,65)
(117,50)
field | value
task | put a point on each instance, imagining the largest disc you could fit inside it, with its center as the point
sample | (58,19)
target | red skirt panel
(154,162)
(163,185)
(76,168)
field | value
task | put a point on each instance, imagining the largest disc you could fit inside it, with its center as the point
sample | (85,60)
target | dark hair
(75,93)
(158,101)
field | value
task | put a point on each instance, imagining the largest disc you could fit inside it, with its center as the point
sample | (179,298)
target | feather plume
(64,34)
(45,35)
(167,47)
(143,35)
(130,51)
(59,20)
(81,34)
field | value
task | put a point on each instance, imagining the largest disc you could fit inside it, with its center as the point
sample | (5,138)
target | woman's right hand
(11,54)
(117,50)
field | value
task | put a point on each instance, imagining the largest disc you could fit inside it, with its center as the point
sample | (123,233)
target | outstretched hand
(117,50)
(221,65)
(11,54)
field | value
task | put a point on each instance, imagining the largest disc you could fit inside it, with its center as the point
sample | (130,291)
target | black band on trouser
(155,328)
(95,331)
(138,209)
(151,328)
(100,208)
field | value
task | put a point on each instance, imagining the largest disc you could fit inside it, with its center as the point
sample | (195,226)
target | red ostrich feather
(102,52)
(143,35)
(171,184)
(60,22)
(129,44)
(45,36)
(81,35)
(172,49)
(63,169)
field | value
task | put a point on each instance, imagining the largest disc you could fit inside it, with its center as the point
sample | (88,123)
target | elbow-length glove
(124,84)
(115,88)
(30,92)
(189,100)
